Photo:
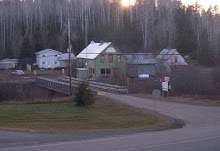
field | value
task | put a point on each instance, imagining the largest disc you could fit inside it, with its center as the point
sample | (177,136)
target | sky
(205,3)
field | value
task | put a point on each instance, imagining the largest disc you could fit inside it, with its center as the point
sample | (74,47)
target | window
(43,63)
(43,56)
(108,71)
(91,71)
(176,59)
(102,58)
(55,62)
(119,58)
(110,58)
(102,71)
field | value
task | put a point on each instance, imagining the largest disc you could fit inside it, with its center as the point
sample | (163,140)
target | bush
(192,83)
(84,96)
(216,76)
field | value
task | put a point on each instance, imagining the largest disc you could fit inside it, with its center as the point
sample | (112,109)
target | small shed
(140,63)
(8,63)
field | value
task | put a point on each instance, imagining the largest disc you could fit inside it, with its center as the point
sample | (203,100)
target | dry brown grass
(215,101)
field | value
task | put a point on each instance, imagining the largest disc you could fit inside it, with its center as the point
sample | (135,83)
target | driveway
(200,133)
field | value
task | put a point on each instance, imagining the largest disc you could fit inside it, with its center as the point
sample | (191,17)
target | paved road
(201,132)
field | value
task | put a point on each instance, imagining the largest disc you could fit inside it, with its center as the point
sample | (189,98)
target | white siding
(175,56)
(48,60)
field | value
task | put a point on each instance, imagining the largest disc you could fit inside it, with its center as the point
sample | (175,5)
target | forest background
(28,26)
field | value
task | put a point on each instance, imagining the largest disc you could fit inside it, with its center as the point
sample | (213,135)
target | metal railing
(97,85)
(54,85)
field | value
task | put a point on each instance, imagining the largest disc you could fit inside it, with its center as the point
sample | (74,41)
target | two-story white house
(48,59)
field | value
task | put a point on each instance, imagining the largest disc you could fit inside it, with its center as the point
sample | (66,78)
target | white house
(50,59)
(64,59)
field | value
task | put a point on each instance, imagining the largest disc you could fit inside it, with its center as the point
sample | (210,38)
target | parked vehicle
(18,72)
(143,76)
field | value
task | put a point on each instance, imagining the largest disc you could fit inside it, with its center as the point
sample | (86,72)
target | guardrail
(54,85)
(97,85)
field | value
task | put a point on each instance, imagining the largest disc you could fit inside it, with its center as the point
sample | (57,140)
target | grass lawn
(214,102)
(104,115)
(50,71)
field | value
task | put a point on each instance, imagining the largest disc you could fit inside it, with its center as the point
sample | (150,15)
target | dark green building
(103,61)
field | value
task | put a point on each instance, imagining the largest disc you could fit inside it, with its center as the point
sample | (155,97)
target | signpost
(165,85)
(155,94)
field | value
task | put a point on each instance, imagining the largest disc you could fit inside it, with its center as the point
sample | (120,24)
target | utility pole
(4,41)
(86,39)
(86,32)
(70,64)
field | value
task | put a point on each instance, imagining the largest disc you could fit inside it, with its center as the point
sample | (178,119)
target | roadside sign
(165,86)
(156,93)
(167,79)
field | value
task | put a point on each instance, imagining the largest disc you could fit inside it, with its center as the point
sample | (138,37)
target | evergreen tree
(205,57)
(26,50)
(84,96)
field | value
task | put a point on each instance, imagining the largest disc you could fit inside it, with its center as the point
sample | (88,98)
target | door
(115,74)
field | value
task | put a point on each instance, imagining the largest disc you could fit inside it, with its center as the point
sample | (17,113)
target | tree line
(27,26)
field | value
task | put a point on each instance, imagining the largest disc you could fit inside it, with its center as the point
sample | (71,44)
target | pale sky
(205,3)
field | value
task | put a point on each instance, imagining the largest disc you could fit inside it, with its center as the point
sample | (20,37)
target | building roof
(9,60)
(93,50)
(65,57)
(140,58)
(46,50)
(165,54)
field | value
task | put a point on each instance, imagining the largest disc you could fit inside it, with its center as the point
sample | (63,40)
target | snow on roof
(46,50)
(93,50)
(65,57)
(140,58)
(166,54)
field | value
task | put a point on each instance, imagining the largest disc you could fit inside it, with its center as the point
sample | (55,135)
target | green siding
(97,65)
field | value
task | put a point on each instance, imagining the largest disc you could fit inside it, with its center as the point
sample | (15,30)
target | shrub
(84,96)
(191,83)
(216,77)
